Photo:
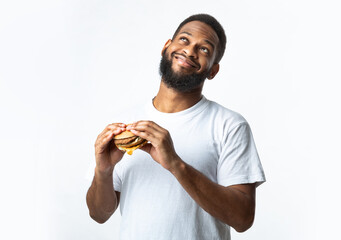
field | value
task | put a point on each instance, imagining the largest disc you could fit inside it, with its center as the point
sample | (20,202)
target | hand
(106,152)
(161,147)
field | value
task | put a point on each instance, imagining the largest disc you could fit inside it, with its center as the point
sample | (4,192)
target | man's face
(188,59)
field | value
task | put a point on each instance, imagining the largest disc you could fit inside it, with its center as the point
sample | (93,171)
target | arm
(234,205)
(102,200)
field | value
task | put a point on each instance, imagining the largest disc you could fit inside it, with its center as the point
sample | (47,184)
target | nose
(190,51)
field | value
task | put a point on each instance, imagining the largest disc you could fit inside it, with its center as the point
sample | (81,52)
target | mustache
(189,60)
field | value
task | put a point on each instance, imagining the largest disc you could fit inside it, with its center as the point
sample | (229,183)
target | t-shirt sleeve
(117,177)
(239,162)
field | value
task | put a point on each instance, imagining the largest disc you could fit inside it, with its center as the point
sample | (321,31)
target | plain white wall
(65,67)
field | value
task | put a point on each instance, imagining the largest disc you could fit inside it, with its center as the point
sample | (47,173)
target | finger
(145,128)
(146,147)
(155,125)
(150,131)
(150,137)
(146,123)
(108,133)
(111,127)
(148,127)
(114,126)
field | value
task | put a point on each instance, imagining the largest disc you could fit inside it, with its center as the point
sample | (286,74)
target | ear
(214,71)
(169,41)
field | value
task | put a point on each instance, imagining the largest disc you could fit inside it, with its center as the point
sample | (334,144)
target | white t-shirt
(214,140)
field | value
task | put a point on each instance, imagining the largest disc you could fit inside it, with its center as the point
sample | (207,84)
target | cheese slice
(130,150)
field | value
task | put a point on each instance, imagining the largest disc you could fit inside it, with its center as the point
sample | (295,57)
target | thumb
(146,147)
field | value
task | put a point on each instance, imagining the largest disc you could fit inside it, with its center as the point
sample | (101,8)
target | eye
(183,39)
(205,50)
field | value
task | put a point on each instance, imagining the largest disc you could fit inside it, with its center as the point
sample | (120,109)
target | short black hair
(214,24)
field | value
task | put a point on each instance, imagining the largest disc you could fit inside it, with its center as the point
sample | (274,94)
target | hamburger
(128,142)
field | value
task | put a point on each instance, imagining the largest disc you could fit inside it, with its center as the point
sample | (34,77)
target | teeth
(185,60)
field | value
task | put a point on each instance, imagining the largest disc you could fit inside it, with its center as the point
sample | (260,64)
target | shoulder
(225,117)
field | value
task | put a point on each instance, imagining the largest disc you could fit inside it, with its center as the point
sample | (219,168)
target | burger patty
(138,141)
(125,140)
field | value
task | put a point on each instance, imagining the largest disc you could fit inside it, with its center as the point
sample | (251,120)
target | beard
(177,81)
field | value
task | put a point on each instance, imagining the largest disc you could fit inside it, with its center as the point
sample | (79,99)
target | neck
(170,101)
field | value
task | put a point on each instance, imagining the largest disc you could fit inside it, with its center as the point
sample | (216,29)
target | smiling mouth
(184,61)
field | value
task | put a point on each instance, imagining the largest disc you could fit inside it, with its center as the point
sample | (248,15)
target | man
(198,174)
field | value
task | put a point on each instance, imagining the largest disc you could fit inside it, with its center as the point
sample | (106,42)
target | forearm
(101,197)
(232,205)
(228,204)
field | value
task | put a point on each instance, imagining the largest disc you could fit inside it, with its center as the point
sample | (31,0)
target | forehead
(200,30)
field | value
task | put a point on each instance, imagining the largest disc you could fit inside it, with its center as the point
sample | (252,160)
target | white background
(67,66)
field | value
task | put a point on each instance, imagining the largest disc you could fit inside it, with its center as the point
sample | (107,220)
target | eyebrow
(209,42)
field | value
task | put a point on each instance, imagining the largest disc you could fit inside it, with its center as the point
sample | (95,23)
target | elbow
(97,218)
(243,228)
(244,224)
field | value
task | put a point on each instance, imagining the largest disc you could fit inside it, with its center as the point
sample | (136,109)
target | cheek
(168,52)
(209,62)
(205,64)
(174,47)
